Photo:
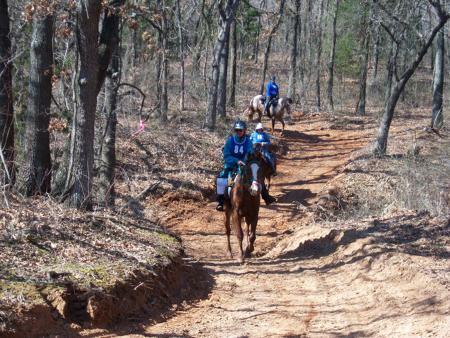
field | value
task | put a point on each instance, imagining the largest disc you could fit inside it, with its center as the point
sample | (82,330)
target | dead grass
(414,176)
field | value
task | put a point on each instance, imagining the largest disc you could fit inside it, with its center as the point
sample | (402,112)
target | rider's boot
(220,201)
(265,195)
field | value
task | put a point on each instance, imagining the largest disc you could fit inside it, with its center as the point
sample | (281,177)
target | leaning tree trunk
(294,51)
(81,172)
(332,58)
(269,45)
(234,56)
(437,119)
(223,74)
(380,145)
(227,17)
(361,105)
(36,172)
(6,99)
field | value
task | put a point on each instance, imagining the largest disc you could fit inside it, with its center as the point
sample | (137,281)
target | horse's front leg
(240,235)
(252,236)
(273,125)
(259,116)
(282,123)
(228,231)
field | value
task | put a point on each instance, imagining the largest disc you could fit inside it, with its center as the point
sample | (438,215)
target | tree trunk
(6,99)
(234,56)
(361,105)
(319,55)
(181,42)
(294,51)
(223,74)
(108,149)
(227,17)
(81,173)
(164,102)
(383,130)
(390,71)
(437,119)
(332,58)
(36,172)
(269,45)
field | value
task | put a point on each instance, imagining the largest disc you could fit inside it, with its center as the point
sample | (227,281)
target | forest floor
(327,261)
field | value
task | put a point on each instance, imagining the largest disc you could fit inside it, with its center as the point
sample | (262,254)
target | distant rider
(271,95)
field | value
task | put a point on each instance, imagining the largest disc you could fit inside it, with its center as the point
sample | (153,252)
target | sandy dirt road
(352,287)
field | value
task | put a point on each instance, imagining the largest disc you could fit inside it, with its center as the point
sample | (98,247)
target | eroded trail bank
(321,279)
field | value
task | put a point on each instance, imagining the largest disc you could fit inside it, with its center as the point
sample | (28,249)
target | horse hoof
(247,253)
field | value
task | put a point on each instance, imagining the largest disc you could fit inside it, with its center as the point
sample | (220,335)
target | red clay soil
(343,284)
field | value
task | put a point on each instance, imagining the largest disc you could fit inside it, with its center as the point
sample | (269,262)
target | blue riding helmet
(240,125)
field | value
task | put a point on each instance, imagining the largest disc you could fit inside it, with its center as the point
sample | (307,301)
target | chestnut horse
(243,202)
(277,112)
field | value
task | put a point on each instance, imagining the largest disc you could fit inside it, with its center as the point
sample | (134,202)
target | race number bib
(238,149)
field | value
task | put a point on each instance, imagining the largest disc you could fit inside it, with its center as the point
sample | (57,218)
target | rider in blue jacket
(235,151)
(260,136)
(271,94)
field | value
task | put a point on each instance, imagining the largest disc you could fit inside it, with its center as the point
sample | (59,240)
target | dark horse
(244,200)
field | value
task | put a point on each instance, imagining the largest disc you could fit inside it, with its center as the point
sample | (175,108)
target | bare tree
(269,44)
(227,16)
(36,171)
(6,98)
(108,147)
(182,56)
(318,32)
(82,147)
(294,51)
(332,57)
(389,108)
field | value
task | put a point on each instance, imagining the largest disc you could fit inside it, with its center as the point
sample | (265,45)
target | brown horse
(277,112)
(243,202)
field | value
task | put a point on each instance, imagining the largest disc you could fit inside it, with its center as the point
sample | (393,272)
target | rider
(260,136)
(271,95)
(235,151)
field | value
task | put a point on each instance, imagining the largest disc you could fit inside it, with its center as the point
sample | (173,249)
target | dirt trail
(352,290)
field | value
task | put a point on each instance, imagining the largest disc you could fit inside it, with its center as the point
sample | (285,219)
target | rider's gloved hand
(240,162)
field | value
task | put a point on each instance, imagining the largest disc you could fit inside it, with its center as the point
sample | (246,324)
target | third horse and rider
(239,145)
